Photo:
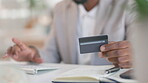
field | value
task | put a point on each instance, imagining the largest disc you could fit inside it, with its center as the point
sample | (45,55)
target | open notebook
(34,69)
(88,75)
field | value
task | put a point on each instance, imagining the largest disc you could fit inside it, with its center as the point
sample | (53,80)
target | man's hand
(21,52)
(119,53)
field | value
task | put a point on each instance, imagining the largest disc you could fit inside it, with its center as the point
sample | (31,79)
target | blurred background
(28,20)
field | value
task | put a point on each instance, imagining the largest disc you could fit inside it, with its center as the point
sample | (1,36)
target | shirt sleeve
(50,53)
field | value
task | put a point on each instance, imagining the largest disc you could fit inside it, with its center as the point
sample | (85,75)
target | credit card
(92,44)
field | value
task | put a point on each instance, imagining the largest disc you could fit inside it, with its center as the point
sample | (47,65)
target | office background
(28,20)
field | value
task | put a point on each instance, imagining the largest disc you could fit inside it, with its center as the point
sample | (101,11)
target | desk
(48,76)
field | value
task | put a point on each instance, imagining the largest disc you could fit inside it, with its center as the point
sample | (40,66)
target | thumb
(19,43)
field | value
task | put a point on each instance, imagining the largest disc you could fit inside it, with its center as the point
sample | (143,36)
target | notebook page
(34,69)
(83,72)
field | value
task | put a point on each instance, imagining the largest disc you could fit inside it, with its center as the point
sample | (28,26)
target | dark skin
(90,4)
(118,53)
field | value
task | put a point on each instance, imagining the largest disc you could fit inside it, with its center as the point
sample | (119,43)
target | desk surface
(48,76)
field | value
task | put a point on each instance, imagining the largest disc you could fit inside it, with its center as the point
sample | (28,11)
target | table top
(48,76)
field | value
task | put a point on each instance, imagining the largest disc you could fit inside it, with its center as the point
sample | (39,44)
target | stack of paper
(34,69)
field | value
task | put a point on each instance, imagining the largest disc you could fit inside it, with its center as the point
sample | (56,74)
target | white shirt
(86,26)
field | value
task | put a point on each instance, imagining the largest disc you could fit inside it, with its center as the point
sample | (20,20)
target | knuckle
(118,52)
(114,53)
(125,64)
(109,47)
(122,52)
(123,59)
(124,43)
(118,44)
(126,51)
(113,60)
(120,59)
(110,54)
(115,45)
(121,44)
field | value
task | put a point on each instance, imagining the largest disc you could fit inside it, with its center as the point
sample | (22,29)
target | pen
(112,70)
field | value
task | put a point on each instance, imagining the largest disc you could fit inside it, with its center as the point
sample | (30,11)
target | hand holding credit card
(92,44)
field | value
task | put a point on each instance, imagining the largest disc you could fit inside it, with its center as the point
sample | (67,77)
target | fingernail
(102,48)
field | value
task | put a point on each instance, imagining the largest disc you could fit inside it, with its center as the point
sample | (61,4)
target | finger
(116,64)
(113,60)
(114,46)
(118,53)
(125,65)
(5,56)
(19,43)
(100,53)
(124,59)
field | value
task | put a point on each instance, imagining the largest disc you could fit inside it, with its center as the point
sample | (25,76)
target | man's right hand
(22,52)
